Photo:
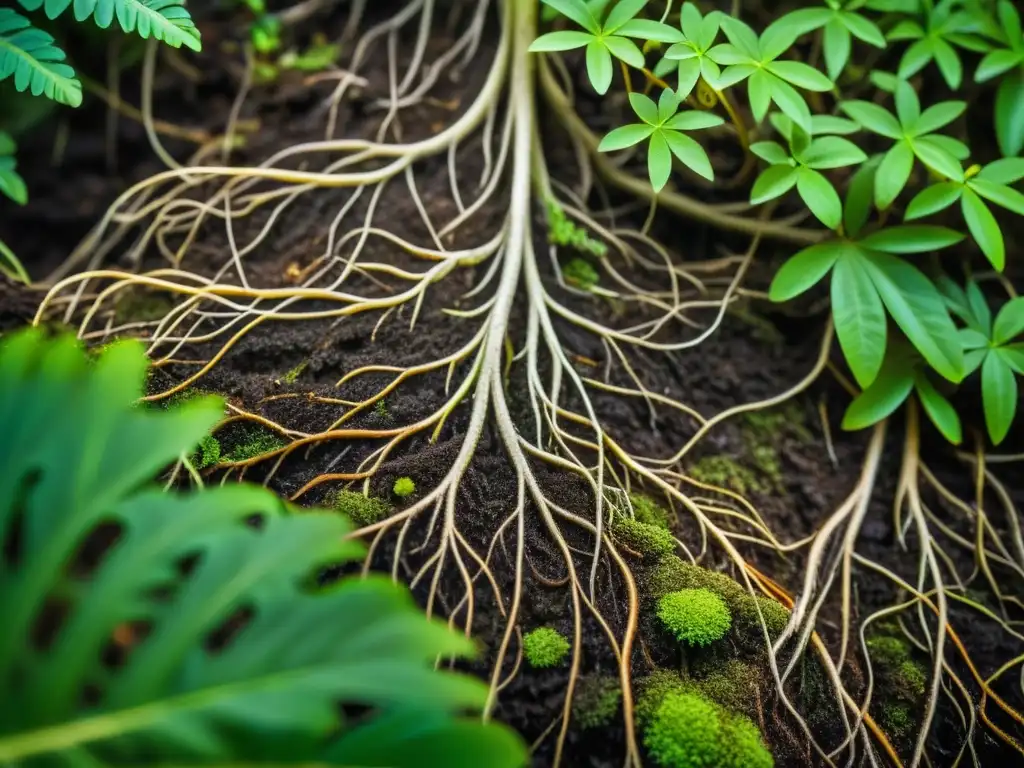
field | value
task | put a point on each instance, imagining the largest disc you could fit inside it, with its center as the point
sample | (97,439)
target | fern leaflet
(36,63)
(166,20)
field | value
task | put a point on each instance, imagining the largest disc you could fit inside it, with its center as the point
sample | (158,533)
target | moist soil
(758,352)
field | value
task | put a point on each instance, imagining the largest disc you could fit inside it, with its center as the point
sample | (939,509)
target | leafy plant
(699,35)
(145,626)
(840,22)
(13,186)
(1008,64)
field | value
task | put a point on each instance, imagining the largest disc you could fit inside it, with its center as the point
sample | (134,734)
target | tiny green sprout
(545,647)
(565,232)
(580,274)
(404,486)
(380,408)
(642,538)
(294,373)
(320,55)
(208,452)
(361,510)
(597,701)
(697,617)
(265,33)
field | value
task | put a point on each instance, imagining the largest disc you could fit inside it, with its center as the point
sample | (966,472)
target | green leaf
(806,268)
(30,56)
(578,11)
(820,196)
(999,396)
(971,339)
(1009,170)
(859,319)
(837,45)
(771,152)
(823,124)
(938,408)
(833,152)
(863,29)
(874,118)
(166,20)
(693,120)
(893,174)
(915,58)
(235,666)
(621,12)
(948,61)
(984,228)
(979,307)
(668,105)
(1010,114)
(560,41)
(1012,355)
(933,199)
(1001,195)
(952,147)
(790,102)
(937,116)
(908,106)
(11,266)
(625,50)
(625,136)
(937,158)
(859,198)
(1009,322)
(774,182)
(742,37)
(887,392)
(659,161)
(599,66)
(645,29)
(759,93)
(801,75)
(11,183)
(912,239)
(777,38)
(996,63)
(690,153)
(918,309)
(645,108)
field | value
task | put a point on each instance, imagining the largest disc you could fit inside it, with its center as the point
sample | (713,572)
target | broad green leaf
(971,339)
(645,29)
(645,108)
(690,153)
(863,29)
(938,408)
(952,147)
(908,106)
(621,12)
(999,396)
(733,75)
(1009,322)
(984,228)
(874,118)
(1001,195)
(659,161)
(668,105)
(933,199)
(742,37)
(774,182)
(771,152)
(918,309)
(912,239)
(578,11)
(1009,170)
(1012,355)
(790,102)
(937,116)
(893,174)
(625,136)
(824,124)
(599,66)
(832,152)
(759,93)
(979,307)
(804,20)
(693,120)
(948,61)
(937,158)
(915,58)
(996,63)
(689,72)
(560,41)
(728,55)
(837,45)
(1010,114)
(777,38)
(820,196)
(887,392)
(625,50)
(806,268)
(801,75)
(859,319)
(11,183)
(973,359)
(860,197)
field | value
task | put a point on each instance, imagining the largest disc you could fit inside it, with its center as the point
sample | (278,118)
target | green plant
(580,274)
(404,486)
(643,538)
(13,186)
(1007,63)
(545,647)
(208,452)
(646,510)
(210,599)
(696,617)
(361,510)
(563,231)
(597,701)
(255,442)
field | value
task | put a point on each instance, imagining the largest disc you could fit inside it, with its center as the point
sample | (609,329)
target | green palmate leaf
(912,239)
(999,396)
(1009,322)
(772,183)
(918,309)
(820,196)
(806,269)
(887,392)
(36,64)
(984,228)
(859,319)
(893,174)
(165,20)
(938,408)
(243,658)
(1009,117)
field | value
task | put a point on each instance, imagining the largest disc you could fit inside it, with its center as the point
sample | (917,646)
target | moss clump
(775,615)
(724,472)
(361,510)
(652,689)
(731,685)
(899,673)
(649,512)
(255,442)
(404,486)
(765,427)
(545,647)
(142,306)
(563,231)
(695,616)
(742,745)
(898,720)
(672,574)
(580,274)
(187,396)
(294,373)
(597,701)
(207,454)
(643,538)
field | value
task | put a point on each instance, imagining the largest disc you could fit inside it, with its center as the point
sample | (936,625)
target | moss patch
(597,701)
(142,306)
(725,472)
(643,538)
(255,441)
(207,454)
(361,510)
(648,511)
(545,647)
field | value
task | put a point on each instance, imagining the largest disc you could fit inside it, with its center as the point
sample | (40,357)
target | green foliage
(361,510)
(725,472)
(317,57)
(695,616)
(404,486)
(545,647)
(1006,62)
(208,452)
(581,274)
(12,186)
(563,231)
(31,57)
(643,538)
(596,701)
(236,653)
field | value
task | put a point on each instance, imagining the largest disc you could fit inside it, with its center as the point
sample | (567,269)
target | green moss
(142,306)
(294,373)
(672,574)
(208,453)
(380,408)
(581,274)
(652,689)
(685,733)
(766,427)
(742,745)
(899,675)
(695,616)
(565,232)
(649,512)
(404,486)
(724,472)
(256,441)
(597,701)
(544,647)
(775,615)
(897,720)
(361,510)
(643,538)
(185,396)
(732,685)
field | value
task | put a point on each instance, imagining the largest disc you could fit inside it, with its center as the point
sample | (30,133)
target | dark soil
(757,353)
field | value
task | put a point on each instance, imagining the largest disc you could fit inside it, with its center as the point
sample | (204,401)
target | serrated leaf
(999,396)
(859,318)
(165,20)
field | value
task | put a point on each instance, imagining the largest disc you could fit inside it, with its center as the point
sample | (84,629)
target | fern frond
(166,20)
(36,63)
